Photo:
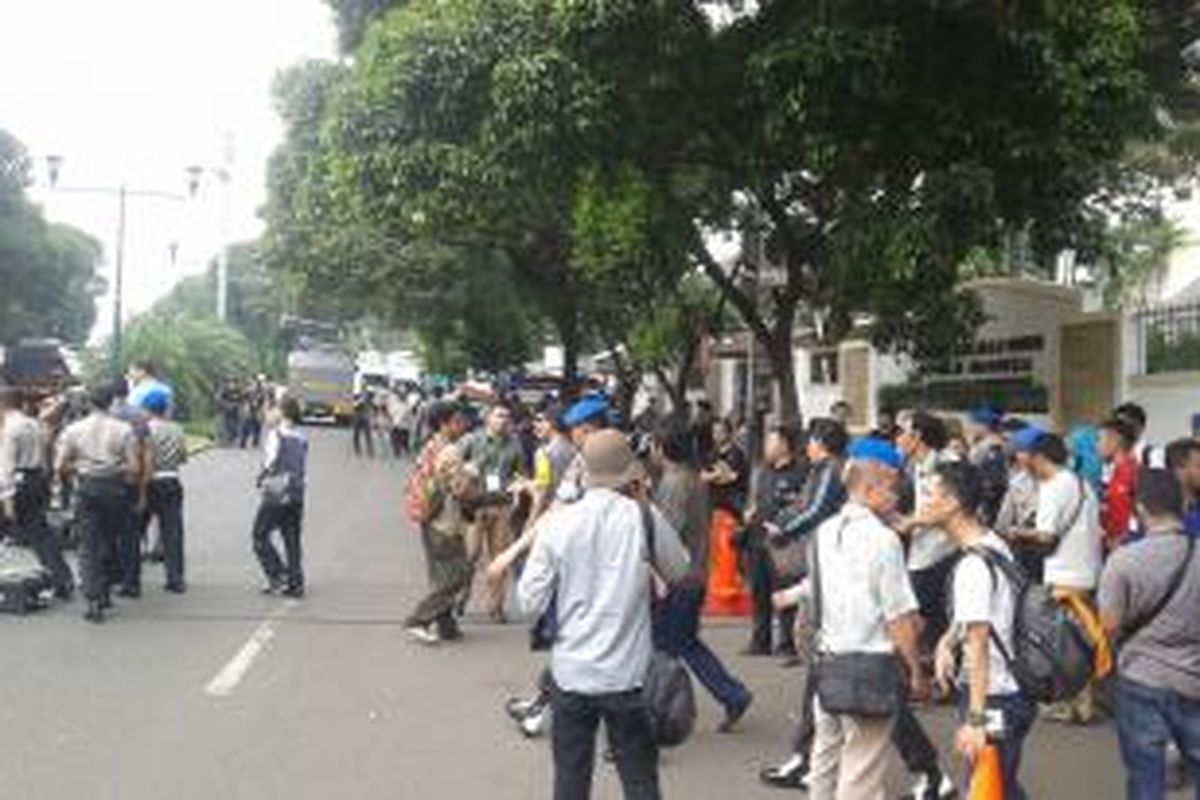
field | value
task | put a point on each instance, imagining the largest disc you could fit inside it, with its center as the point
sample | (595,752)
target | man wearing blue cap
(988,456)
(144,380)
(164,493)
(581,420)
(864,612)
(1018,511)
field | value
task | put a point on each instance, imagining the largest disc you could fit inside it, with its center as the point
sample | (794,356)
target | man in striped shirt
(164,494)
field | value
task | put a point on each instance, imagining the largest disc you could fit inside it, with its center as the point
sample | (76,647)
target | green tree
(194,352)
(860,150)
(48,271)
(871,146)
(257,302)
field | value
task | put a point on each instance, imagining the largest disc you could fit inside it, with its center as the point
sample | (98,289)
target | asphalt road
(225,694)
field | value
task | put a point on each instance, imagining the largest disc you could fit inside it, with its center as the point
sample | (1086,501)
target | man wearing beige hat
(593,556)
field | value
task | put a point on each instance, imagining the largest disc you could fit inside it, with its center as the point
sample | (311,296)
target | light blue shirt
(592,556)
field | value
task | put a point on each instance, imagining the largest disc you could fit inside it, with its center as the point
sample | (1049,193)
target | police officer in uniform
(103,453)
(25,489)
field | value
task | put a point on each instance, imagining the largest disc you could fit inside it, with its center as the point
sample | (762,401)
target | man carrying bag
(594,557)
(866,621)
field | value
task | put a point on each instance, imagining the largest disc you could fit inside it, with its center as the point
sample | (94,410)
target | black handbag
(853,684)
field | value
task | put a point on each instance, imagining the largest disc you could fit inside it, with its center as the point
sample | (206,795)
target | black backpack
(1051,658)
(667,691)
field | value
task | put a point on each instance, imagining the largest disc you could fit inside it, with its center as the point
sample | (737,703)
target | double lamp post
(123,192)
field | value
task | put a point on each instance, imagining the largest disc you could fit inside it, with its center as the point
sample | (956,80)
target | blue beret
(156,400)
(585,410)
(1024,439)
(870,448)
(988,416)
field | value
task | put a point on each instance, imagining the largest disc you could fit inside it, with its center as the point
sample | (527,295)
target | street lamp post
(122,192)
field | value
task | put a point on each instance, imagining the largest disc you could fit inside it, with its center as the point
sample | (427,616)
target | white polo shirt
(864,582)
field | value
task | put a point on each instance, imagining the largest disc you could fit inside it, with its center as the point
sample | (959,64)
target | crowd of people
(115,454)
(242,405)
(899,568)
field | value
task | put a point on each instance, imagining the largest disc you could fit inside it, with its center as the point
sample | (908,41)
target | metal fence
(1169,338)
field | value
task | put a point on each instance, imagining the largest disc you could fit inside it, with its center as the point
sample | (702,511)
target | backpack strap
(1016,580)
(1173,589)
(648,532)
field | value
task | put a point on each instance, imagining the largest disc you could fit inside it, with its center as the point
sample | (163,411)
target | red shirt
(1117,510)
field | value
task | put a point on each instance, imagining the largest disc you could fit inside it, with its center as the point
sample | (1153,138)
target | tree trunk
(676,397)
(628,380)
(568,336)
(783,370)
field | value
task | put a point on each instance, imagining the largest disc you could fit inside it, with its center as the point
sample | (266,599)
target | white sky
(137,90)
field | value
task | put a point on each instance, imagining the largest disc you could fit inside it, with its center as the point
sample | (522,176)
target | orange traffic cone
(727,596)
(986,781)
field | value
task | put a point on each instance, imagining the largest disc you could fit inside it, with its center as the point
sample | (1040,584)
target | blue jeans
(1019,713)
(677,631)
(1147,719)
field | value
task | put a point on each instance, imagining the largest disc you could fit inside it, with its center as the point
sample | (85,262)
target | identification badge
(492,482)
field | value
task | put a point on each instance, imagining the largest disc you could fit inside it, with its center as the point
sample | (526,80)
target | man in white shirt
(931,556)
(982,608)
(593,557)
(866,606)
(1068,524)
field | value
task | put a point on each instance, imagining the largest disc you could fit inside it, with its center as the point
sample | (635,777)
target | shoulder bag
(853,684)
(667,692)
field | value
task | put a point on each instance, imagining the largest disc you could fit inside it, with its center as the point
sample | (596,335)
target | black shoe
(175,588)
(790,775)
(132,592)
(734,713)
(95,612)
(293,591)
(65,593)
(757,650)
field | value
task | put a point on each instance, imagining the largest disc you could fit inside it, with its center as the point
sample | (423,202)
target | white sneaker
(518,708)
(536,724)
(425,634)
(925,788)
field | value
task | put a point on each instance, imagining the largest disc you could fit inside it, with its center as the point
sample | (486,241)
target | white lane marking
(225,681)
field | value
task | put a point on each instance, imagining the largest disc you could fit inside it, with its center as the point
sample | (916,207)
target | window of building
(823,368)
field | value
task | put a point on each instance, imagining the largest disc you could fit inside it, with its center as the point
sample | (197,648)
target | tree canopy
(257,303)
(589,152)
(48,271)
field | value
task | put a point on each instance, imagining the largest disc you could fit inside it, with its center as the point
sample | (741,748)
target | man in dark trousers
(683,500)
(25,489)
(282,482)
(779,486)
(102,452)
(164,495)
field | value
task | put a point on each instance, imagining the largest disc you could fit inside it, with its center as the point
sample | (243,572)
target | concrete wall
(1170,399)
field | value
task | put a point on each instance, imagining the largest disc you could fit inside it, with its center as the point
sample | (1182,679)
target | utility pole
(119,279)
(225,175)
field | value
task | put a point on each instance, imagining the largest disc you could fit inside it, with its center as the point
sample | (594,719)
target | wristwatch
(977,719)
